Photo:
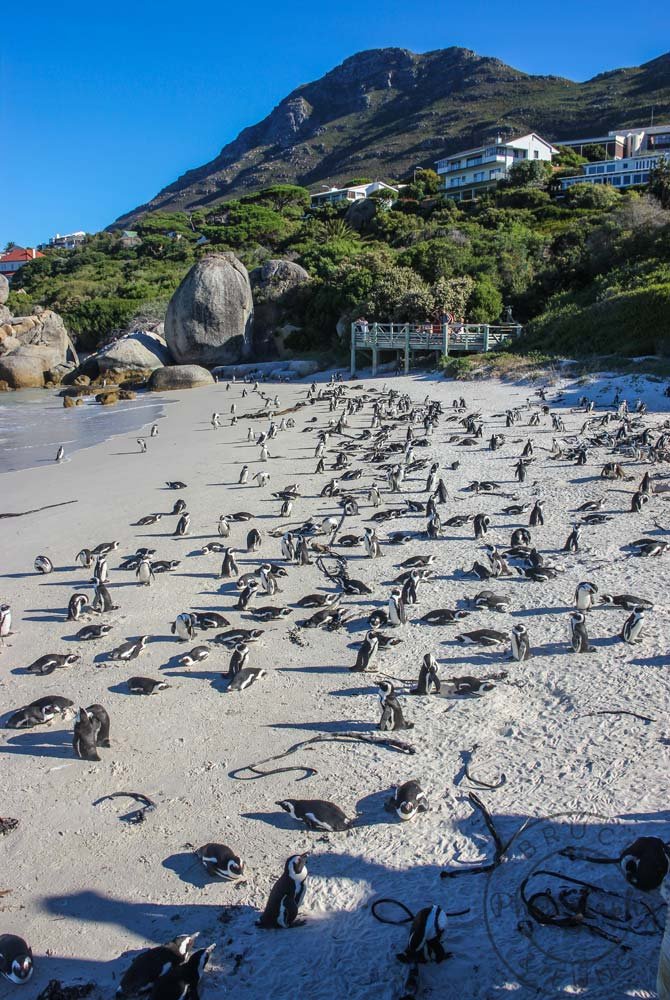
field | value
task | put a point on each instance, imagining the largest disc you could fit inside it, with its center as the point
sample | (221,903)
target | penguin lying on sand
(425,938)
(147,968)
(219,861)
(317,814)
(16,959)
(407,800)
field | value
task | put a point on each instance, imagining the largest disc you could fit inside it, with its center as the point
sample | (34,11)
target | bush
(529,173)
(592,196)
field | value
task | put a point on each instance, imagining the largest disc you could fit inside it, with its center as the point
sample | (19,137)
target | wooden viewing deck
(444,338)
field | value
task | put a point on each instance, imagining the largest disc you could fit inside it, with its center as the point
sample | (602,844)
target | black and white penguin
(16,959)
(639,501)
(481,525)
(244,475)
(425,937)
(482,637)
(286,895)
(179,507)
(102,599)
(149,519)
(52,661)
(520,643)
(175,484)
(366,652)
(443,616)
(165,565)
(316,814)
(43,564)
(100,570)
(537,514)
(392,718)
(584,595)
(520,536)
(428,676)
(148,967)
(409,594)
(245,678)
(253,540)
(89,632)
(246,595)
(229,567)
(396,608)
(628,601)
(86,728)
(209,619)
(407,801)
(26,718)
(579,638)
(129,650)
(267,579)
(239,659)
(195,655)
(145,572)
(270,614)
(76,606)
(573,539)
(100,715)
(145,685)
(52,705)
(5,621)
(220,862)
(371,543)
(85,558)
(632,627)
(646,863)
(184,626)
(60,454)
(183,525)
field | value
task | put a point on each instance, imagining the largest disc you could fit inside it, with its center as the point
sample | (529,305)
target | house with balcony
(334,195)
(14,259)
(620,173)
(68,242)
(624,143)
(469,173)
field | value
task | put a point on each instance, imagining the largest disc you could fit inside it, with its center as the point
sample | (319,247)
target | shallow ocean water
(34,423)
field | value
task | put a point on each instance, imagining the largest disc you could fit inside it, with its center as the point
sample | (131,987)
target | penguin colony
(370,495)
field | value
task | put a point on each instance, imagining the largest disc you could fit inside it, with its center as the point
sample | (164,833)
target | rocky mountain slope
(384,111)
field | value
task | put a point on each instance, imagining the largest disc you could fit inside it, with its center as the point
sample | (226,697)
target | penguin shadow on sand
(216,678)
(276,818)
(41,743)
(189,869)
(351,692)
(342,725)
(310,670)
(371,810)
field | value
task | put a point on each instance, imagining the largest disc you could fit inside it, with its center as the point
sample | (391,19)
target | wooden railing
(447,338)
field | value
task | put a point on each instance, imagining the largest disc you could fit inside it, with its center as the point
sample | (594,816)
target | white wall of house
(474,170)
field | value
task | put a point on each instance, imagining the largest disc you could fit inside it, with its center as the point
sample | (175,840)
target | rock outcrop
(29,342)
(274,286)
(179,377)
(139,351)
(4,289)
(210,317)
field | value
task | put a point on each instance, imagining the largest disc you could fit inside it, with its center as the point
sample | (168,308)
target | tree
(486,302)
(568,157)
(592,196)
(9,246)
(594,152)
(529,173)
(659,182)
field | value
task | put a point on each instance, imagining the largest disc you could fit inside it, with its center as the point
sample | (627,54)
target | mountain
(384,111)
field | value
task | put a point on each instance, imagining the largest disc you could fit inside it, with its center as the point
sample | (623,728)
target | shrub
(592,196)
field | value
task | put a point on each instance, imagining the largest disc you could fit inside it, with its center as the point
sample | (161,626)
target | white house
(626,142)
(356,192)
(470,172)
(619,173)
(68,242)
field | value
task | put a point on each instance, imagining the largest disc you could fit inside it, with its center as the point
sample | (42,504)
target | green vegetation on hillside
(586,274)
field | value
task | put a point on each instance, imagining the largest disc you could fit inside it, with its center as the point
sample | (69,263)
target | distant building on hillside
(14,259)
(356,192)
(129,238)
(68,242)
(470,172)
(619,173)
(626,142)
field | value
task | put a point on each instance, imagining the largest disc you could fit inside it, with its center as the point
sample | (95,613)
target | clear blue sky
(101,105)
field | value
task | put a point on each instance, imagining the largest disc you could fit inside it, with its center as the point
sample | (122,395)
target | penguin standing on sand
(428,676)
(154,430)
(183,525)
(371,543)
(584,595)
(239,659)
(85,733)
(481,525)
(520,643)
(408,594)
(100,715)
(184,627)
(100,572)
(579,638)
(632,627)
(179,507)
(5,621)
(288,547)
(43,564)
(145,572)
(286,895)
(229,566)
(102,600)
(366,653)
(223,526)
(16,959)
(425,938)
(573,539)
(60,454)
(396,608)
(76,606)
(253,540)
(244,474)
(537,514)
(392,718)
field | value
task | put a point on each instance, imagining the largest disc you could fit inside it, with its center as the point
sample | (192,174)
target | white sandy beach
(87,890)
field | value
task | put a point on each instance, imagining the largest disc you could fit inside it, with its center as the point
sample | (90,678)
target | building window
(536,154)
(637,179)
(626,179)
(600,170)
(610,168)
(616,181)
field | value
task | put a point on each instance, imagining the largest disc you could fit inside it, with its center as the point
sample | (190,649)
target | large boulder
(209,319)
(274,286)
(179,377)
(360,214)
(45,330)
(4,289)
(22,370)
(137,351)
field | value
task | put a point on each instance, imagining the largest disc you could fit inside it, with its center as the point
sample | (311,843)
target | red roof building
(14,259)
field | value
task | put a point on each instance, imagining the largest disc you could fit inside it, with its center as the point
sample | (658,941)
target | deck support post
(407,351)
(352,370)
(486,338)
